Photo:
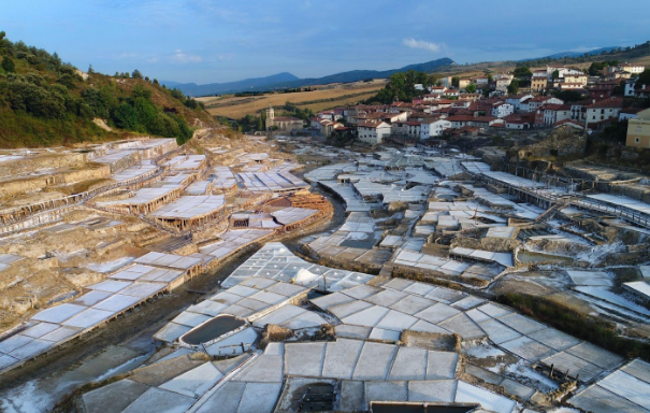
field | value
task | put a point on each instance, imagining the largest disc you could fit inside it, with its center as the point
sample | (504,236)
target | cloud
(421,44)
(181,57)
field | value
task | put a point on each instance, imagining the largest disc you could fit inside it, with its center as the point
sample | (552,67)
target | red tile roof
(606,103)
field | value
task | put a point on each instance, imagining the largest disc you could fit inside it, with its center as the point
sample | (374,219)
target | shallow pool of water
(212,329)
(533,257)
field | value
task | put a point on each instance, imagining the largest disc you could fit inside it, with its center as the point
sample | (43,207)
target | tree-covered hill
(46,102)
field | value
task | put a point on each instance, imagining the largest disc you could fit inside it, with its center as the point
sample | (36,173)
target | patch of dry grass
(232,108)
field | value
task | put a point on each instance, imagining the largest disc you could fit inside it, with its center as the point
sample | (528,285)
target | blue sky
(206,41)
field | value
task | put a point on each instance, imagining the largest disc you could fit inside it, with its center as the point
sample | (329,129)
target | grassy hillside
(45,102)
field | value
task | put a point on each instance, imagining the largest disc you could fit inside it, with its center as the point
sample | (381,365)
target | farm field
(316,100)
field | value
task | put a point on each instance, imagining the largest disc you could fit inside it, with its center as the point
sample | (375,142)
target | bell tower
(270,116)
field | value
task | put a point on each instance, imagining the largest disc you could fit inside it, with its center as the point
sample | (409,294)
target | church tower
(270,115)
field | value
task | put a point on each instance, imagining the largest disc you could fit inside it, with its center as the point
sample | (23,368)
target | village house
(579,78)
(602,110)
(470,96)
(433,127)
(445,81)
(629,88)
(452,93)
(638,130)
(331,115)
(603,90)
(629,113)
(517,121)
(464,104)
(502,109)
(643,92)
(553,113)
(458,121)
(327,127)
(406,128)
(373,132)
(503,81)
(569,86)
(482,81)
(568,122)
(516,100)
(435,93)
(401,107)
(539,81)
(533,104)
(625,67)
(463,83)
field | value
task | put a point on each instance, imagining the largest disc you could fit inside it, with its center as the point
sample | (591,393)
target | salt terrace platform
(148,276)
(144,200)
(190,211)
(187,162)
(277,182)
(371,359)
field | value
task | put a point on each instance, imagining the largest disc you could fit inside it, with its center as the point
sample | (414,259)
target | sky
(216,41)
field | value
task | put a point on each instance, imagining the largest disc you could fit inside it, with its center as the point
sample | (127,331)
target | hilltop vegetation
(401,87)
(46,102)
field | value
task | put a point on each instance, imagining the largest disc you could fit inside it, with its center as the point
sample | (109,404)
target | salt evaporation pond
(212,329)
(533,257)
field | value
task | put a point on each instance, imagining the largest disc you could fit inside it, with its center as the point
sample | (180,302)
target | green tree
(513,87)
(471,88)
(136,74)
(125,117)
(8,65)
(643,79)
(522,71)
(176,93)
(455,81)
(432,79)
(139,91)
(490,78)
(569,96)
(555,74)
(67,80)
(145,111)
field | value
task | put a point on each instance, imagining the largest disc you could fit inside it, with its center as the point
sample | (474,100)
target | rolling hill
(283,80)
(46,102)
(260,83)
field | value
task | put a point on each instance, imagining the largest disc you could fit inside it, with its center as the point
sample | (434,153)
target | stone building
(283,123)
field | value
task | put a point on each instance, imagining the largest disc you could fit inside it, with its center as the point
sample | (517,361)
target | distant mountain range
(287,80)
(574,54)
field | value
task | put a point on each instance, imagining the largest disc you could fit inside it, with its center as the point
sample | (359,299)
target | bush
(8,65)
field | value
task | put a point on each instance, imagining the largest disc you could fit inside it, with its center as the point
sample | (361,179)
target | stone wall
(32,164)
(559,142)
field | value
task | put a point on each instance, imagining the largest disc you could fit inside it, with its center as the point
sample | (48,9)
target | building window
(637,140)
